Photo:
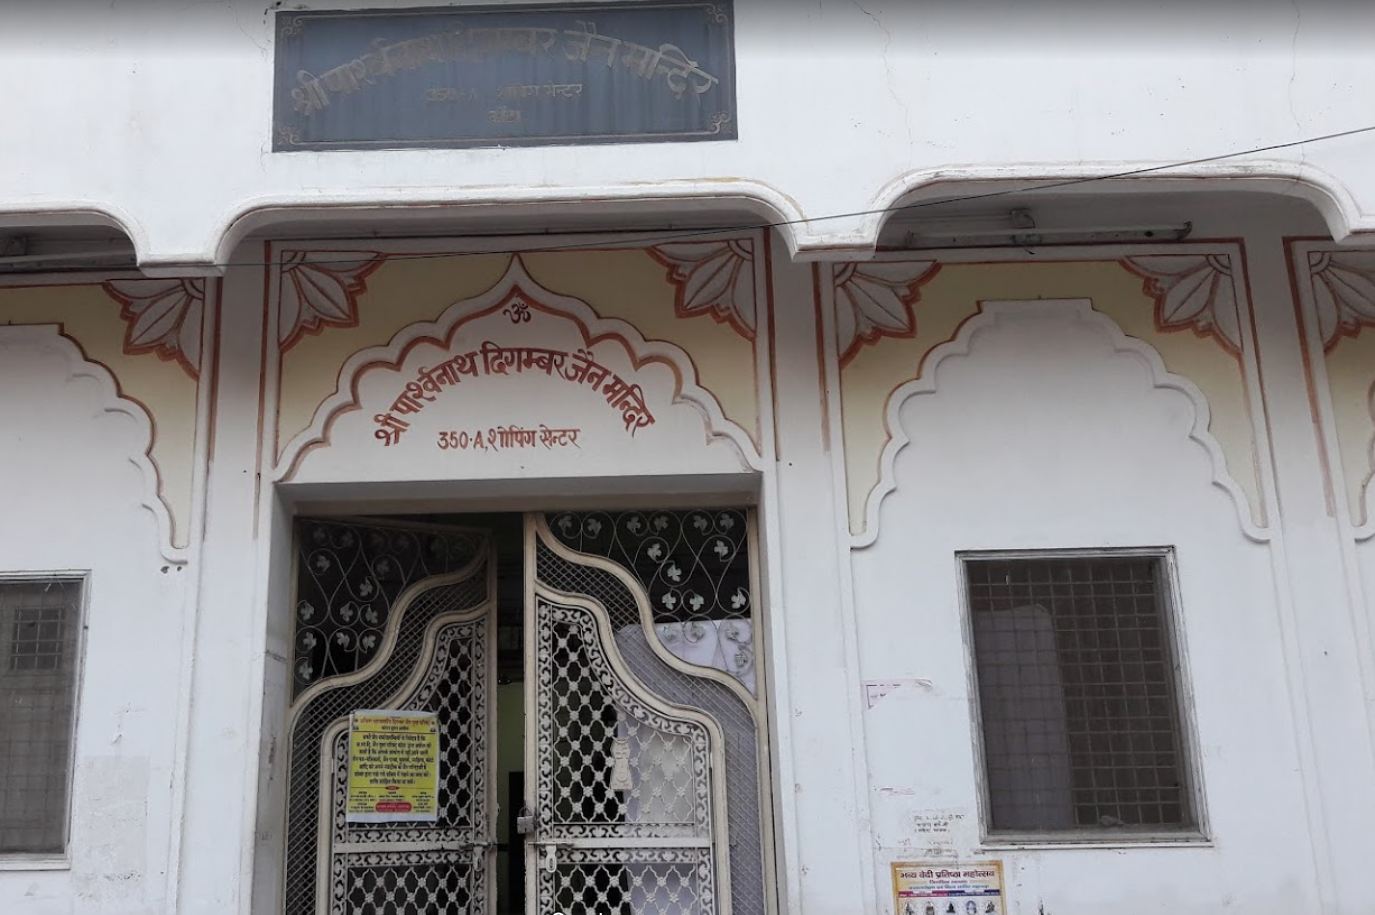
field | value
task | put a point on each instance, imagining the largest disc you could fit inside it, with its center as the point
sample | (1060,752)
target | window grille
(1078,693)
(39,633)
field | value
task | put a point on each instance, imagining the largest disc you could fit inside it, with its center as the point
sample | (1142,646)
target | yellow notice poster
(393,767)
(926,888)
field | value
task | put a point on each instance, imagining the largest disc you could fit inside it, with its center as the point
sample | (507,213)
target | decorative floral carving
(875,300)
(1343,292)
(1194,291)
(321,288)
(164,316)
(713,277)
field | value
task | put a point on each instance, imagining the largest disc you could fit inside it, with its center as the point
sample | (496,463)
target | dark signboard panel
(504,76)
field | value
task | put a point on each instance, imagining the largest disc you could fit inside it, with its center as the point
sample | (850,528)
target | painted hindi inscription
(506,438)
(503,75)
(577,367)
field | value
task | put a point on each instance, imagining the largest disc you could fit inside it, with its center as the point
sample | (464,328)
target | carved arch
(113,400)
(517,282)
(988,315)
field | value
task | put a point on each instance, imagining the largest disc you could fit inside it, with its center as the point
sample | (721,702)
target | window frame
(1198,832)
(47,861)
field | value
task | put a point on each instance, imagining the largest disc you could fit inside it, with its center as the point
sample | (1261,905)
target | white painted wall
(1048,437)
(1052,436)
(73,495)
(156,115)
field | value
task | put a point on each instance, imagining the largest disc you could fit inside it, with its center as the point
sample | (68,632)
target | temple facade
(686,458)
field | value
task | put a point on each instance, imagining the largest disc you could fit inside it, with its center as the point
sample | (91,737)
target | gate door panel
(644,775)
(437,654)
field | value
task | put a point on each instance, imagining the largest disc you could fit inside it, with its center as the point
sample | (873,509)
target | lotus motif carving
(875,300)
(713,277)
(1192,291)
(320,289)
(165,317)
(1343,292)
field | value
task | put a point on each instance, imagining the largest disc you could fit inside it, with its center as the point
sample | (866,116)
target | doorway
(596,690)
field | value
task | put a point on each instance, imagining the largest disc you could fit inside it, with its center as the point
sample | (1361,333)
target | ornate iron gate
(434,652)
(647,785)
(646,773)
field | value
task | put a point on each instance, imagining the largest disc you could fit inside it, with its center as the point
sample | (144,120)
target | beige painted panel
(625,284)
(1351,380)
(632,286)
(91,317)
(399,293)
(953,294)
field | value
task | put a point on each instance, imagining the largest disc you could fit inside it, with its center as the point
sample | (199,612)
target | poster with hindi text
(393,767)
(934,888)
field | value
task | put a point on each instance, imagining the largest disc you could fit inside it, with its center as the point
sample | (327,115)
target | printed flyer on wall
(393,767)
(934,888)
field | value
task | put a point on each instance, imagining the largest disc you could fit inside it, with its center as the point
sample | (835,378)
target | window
(40,625)
(1078,693)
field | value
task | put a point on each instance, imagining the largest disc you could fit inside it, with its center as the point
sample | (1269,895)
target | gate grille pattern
(427,883)
(334,705)
(584,710)
(639,881)
(348,576)
(455,687)
(694,565)
(732,716)
(695,569)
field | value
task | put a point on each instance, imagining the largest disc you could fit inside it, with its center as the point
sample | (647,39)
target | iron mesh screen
(39,628)
(1077,693)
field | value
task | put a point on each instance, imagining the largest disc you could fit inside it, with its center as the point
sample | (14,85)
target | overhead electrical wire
(660,236)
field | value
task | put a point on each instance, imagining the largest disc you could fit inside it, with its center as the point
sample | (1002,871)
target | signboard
(504,76)
(393,767)
(926,888)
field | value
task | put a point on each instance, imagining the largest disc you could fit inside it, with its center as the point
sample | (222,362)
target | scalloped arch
(988,315)
(517,281)
(78,365)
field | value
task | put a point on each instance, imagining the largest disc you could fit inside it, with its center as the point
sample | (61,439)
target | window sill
(1082,841)
(35,863)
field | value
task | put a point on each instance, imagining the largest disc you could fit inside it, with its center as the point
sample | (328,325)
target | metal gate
(433,651)
(647,786)
(645,750)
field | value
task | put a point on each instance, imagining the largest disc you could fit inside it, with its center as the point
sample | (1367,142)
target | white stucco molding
(111,399)
(1340,208)
(990,312)
(458,205)
(170,243)
(593,327)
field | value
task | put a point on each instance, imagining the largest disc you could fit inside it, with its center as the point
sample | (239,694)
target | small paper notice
(927,888)
(393,767)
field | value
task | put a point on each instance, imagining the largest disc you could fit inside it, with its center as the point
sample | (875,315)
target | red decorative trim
(315,292)
(714,278)
(165,318)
